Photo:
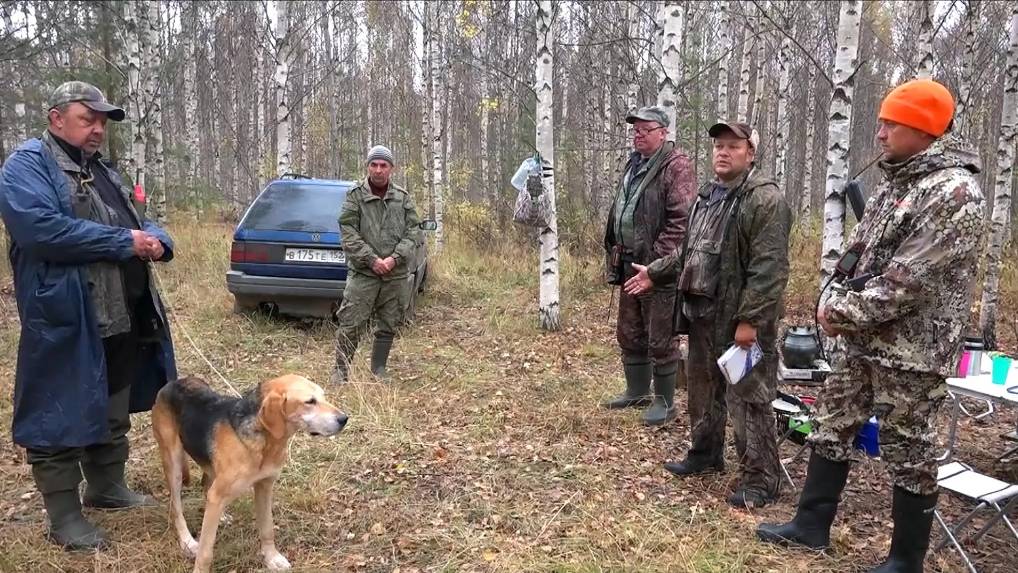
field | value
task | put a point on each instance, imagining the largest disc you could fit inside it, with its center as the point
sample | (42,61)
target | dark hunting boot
(662,409)
(638,374)
(380,356)
(67,527)
(105,488)
(913,519)
(818,504)
(57,474)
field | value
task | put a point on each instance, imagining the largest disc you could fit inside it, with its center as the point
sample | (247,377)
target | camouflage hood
(946,152)
(921,235)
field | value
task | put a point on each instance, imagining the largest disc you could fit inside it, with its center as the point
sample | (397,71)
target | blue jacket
(60,392)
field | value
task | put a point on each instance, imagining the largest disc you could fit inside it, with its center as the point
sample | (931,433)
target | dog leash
(179,325)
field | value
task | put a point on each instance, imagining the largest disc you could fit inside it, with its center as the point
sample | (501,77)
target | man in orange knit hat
(900,319)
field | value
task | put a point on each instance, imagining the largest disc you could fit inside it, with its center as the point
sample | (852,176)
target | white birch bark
(438,129)
(427,136)
(281,55)
(670,29)
(807,172)
(545,140)
(924,69)
(999,220)
(968,65)
(637,54)
(156,164)
(748,47)
(191,105)
(726,48)
(839,136)
(781,129)
(134,21)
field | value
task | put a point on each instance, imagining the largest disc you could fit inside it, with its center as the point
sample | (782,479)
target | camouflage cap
(650,113)
(740,130)
(86,94)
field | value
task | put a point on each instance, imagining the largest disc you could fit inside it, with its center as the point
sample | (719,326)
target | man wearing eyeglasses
(94,343)
(647,221)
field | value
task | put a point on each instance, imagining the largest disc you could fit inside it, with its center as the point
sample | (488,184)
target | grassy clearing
(488,453)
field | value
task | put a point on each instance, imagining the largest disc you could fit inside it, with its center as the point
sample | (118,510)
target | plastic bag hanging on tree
(533,204)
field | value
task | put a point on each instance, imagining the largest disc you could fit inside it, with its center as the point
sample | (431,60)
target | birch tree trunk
(781,127)
(924,69)
(281,51)
(967,67)
(807,170)
(748,47)
(191,105)
(438,129)
(839,136)
(134,20)
(545,139)
(427,135)
(637,55)
(670,28)
(999,220)
(726,40)
(154,111)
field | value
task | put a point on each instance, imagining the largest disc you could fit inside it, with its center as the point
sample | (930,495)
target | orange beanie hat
(923,104)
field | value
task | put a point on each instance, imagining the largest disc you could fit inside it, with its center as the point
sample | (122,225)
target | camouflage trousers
(905,404)
(366,297)
(644,327)
(710,398)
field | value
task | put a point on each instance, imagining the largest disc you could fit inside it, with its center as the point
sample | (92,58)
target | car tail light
(246,253)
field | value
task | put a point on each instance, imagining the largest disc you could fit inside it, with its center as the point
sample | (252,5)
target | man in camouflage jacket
(901,330)
(380,232)
(647,221)
(732,273)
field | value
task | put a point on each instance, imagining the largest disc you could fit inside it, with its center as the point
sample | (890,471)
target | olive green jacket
(752,276)
(374,228)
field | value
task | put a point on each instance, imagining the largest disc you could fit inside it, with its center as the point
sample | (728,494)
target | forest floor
(487,451)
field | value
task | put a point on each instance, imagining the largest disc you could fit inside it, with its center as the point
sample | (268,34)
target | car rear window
(297,207)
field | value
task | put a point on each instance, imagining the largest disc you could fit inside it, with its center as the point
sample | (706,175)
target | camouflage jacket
(921,233)
(659,220)
(373,228)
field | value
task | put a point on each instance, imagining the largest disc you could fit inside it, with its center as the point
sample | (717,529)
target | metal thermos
(974,347)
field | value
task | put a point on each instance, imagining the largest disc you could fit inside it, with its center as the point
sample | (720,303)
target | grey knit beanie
(380,152)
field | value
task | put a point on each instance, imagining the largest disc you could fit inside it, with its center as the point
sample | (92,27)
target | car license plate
(315,256)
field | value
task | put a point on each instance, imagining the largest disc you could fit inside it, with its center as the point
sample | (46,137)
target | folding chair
(794,423)
(989,492)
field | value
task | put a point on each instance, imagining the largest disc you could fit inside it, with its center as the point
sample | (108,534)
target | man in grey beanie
(380,231)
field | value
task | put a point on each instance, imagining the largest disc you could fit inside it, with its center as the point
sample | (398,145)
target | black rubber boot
(638,374)
(913,519)
(662,409)
(694,464)
(105,488)
(818,504)
(67,527)
(380,356)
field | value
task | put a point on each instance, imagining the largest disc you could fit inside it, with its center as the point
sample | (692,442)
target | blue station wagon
(287,256)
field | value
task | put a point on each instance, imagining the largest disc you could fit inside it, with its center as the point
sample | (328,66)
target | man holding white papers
(731,273)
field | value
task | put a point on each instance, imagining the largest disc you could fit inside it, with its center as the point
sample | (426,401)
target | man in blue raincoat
(95,344)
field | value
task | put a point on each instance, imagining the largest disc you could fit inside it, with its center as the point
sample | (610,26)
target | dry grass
(488,452)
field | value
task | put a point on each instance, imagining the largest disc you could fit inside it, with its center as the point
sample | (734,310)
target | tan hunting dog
(239,443)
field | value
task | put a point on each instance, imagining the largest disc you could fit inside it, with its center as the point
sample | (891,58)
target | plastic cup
(1001,367)
(963,364)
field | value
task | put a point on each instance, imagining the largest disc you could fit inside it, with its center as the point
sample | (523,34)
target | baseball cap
(650,113)
(85,94)
(740,130)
